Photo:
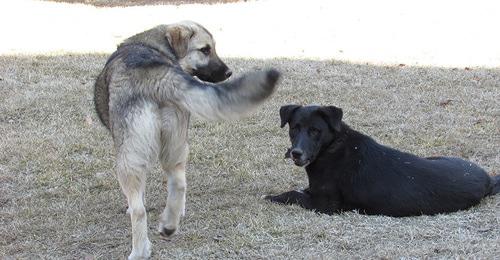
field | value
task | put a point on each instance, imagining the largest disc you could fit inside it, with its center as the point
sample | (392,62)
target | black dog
(348,170)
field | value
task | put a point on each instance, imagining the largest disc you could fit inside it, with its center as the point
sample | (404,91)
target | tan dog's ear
(178,36)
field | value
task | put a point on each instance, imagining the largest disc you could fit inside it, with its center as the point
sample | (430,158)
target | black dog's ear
(286,113)
(332,116)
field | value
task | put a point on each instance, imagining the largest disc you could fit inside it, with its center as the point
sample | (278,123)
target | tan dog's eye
(205,50)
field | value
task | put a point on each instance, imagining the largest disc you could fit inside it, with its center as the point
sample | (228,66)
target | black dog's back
(395,183)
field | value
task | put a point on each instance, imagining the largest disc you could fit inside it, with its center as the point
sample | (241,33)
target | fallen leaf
(218,238)
(485,229)
(478,121)
(445,102)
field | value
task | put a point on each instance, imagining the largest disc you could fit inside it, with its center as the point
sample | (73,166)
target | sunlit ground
(437,33)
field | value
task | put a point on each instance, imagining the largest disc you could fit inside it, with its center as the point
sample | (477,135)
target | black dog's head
(312,128)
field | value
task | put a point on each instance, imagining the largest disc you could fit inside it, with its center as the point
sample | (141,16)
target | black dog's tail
(495,188)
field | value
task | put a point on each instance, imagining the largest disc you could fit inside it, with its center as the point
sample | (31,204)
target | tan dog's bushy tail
(231,99)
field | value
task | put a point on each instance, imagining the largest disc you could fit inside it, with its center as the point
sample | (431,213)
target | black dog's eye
(314,131)
(205,50)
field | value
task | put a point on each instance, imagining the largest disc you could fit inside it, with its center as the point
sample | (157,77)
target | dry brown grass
(60,200)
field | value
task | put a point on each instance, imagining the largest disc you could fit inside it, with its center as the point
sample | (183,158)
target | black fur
(348,170)
(167,232)
(140,56)
(215,71)
(496,187)
(144,58)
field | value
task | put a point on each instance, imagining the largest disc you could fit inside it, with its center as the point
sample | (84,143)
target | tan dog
(145,95)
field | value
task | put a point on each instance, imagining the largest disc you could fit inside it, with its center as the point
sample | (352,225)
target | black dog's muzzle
(297,156)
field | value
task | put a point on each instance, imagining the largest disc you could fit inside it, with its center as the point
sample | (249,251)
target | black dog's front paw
(277,198)
(291,197)
(269,197)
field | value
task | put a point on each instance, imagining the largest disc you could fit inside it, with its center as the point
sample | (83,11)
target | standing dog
(348,170)
(145,95)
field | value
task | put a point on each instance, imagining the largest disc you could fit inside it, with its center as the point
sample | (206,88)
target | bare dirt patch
(60,200)
(380,32)
(124,3)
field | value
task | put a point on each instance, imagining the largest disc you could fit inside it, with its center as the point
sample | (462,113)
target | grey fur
(145,95)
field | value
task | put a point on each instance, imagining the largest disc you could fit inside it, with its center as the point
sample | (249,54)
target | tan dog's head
(194,48)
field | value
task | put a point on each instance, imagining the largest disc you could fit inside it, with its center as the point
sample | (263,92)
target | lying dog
(145,95)
(348,170)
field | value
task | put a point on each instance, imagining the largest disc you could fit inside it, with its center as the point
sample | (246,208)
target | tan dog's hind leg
(136,155)
(133,188)
(176,200)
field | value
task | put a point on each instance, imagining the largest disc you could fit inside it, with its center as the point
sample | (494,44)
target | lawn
(59,198)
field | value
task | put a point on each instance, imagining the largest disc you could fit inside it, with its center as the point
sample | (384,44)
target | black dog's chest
(321,185)
(323,179)
(337,178)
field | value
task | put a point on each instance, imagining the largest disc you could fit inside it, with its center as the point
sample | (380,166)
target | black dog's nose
(228,73)
(296,153)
